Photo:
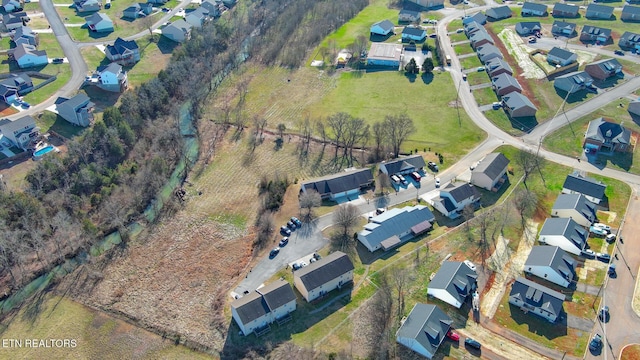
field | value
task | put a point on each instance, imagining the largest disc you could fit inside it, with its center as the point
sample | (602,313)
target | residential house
(408,16)
(346,184)
(13,21)
(606,137)
(178,31)
(383,54)
(491,172)
(317,279)
(562,57)
(573,82)
(28,56)
(15,85)
(424,329)
(497,66)
(629,41)
(599,12)
(633,1)
(257,310)
(99,22)
(504,84)
(20,131)
(595,34)
(517,105)
(157,2)
(525,28)
(533,9)
(413,33)
(552,264)
(478,17)
(24,35)
(453,283)
(123,52)
(604,69)
(382,28)
(395,226)
(84,6)
(592,189)
(429,4)
(563,28)
(576,207)
(488,52)
(565,233)
(498,13)
(630,13)
(536,299)
(212,6)
(229,3)
(561,10)
(76,110)
(132,12)
(480,38)
(197,17)
(11,5)
(403,165)
(112,78)
(454,197)
(634,108)
(472,27)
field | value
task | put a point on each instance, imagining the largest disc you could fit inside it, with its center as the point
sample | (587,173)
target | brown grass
(631,352)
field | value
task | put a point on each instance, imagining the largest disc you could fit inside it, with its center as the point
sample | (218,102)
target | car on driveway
(480,68)
(402,180)
(595,343)
(395,179)
(296,221)
(433,166)
(588,253)
(619,52)
(274,253)
(284,241)
(602,226)
(496,105)
(291,225)
(453,335)
(610,238)
(470,265)
(603,257)
(532,40)
(284,230)
(472,343)
(25,105)
(57,60)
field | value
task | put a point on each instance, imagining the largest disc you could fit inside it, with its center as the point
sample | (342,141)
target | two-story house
(77,110)
(255,311)
(454,197)
(576,207)
(533,298)
(20,131)
(329,273)
(491,172)
(551,263)
(395,226)
(123,52)
(565,233)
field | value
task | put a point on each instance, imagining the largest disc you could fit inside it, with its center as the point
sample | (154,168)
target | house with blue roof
(395,226)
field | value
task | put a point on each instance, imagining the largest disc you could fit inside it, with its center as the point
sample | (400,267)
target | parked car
(274,253)
(480,68)
(284,241)
(603,226)
(402,179)
(379,211)
(433,35)
(296,266)
(532,40)
(612,270)
(25,105)
(291,225)
(610,238)
(619,52)
(284,230)
(433,166)
(598,231)
(604,314)
(164,9)
(472,343)
(395,178)
(595,343)
(453,335)
(588,253)
(496,105)
(416,176)
(603,257)
(459,31)
(296,221)
(57,60)
(464,77)
(470,265)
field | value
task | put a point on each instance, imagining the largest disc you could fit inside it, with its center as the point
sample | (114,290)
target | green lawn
(470,62)
(485,96)
(568,139)
(63,72)
(454,25)
(50,121)
(5,43)
(152,60)
(457,37)
(477,78)
(462,49)
(93,57)
(49,43)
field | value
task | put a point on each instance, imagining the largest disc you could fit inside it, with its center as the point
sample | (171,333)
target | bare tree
(309,200)
(383,182)
(321,129)
(380,319)
(398,129)
(264,224)
(356,131)
(379,136)
(345,218)
(306,130)
(400,278)
(338,125)
(529,161)
(468,213)
(525,201)
(281,129)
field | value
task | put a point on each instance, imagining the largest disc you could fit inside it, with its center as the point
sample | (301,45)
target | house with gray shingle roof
(536,299)
(634,108)
(498,13)
(562,57)
(576,207)
(573,82)
(565,233)
(533,9)
(518,105)
(595,34)
(12,20)
(453,283)
(11,6)
(497,66)
(504,84)
(28,56)
(382,28)
(408,16)
(561,10)
(480,38)
(197,17)
(488,52)
(604,69)
(563,28)
(395,226)
(491,172)
(268,304)
(454,197)
(15,85)
(403,165)
(20,131)
(424,329)
(552,264)
(599,12)
(478,17)
(525,28)
(317,279)
(123,52)
(24,35)
(629,41)
(630,13)
(84,6)
(606,137)
(99,22)
(413,33)
(341,185)
(77,110)
(178,31)
(577,183)
(472,27)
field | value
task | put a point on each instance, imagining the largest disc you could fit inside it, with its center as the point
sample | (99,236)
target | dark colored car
(619,52)
(25,105)
(291,225)
(57,60)
(296,221)
(274,253)
(595,343)
(284,230)
(472,343)
(284,241)
(604,314)
(433,166)
(603,257)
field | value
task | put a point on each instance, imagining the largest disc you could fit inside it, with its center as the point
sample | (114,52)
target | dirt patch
(607,216)
(455,104)
(520,51)
(631,352)
(503,347)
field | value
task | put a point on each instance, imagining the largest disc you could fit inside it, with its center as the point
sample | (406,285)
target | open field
(122,27)
(485,96)
(152,60)
(470,62)
(96,334)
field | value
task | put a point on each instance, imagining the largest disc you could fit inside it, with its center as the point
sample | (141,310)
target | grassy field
(462,49)
(477,77)
(50,121)
(470,62)
(485,96)
(455,37)
(97,335)
(568,139)
(152,60)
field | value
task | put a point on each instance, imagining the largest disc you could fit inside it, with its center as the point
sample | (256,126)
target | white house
(112,78)
(178,31)
(562,57)
(536,299)
(453,199)
(382,28)
(565,233)
(344,185)
(395,226)
(317,279)
(591,188)
(453,283)
(19,131)
(424,329)
(491,172)
(257,310)
(552,264)
(576,207)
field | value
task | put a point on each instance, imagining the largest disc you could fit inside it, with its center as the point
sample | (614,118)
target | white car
(437,182)
(470,265)
(602,226)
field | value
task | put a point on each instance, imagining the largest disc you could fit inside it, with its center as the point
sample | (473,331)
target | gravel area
(520,52)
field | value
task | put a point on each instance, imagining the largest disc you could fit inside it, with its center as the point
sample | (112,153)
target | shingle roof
(480,35)
(537,296)
(78,100)
(324,270)
(499,12)
(554,257)
(608,132)
(566,8)
(607,65)
(534,7)
(395,222)
(456,278)
(558,26)
(632,10)
(114,68)
(504,80)
(120,46)
(515,100)
(409,13)
(27,49)
(97,18)
(340,182)
(277,294)
(413,31)
(478,17)
(487,49)
(596,31)
(250,307)
(17,124)
(404,163)
(560,53)
(600,9)
(576,202)
(585,185)
(497,63)
(427,324)
(385,25)
(461,191)
(492,165)
(630,37)
(528,26)
(568,228)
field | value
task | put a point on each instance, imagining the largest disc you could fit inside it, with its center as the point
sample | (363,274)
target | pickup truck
(598,231)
